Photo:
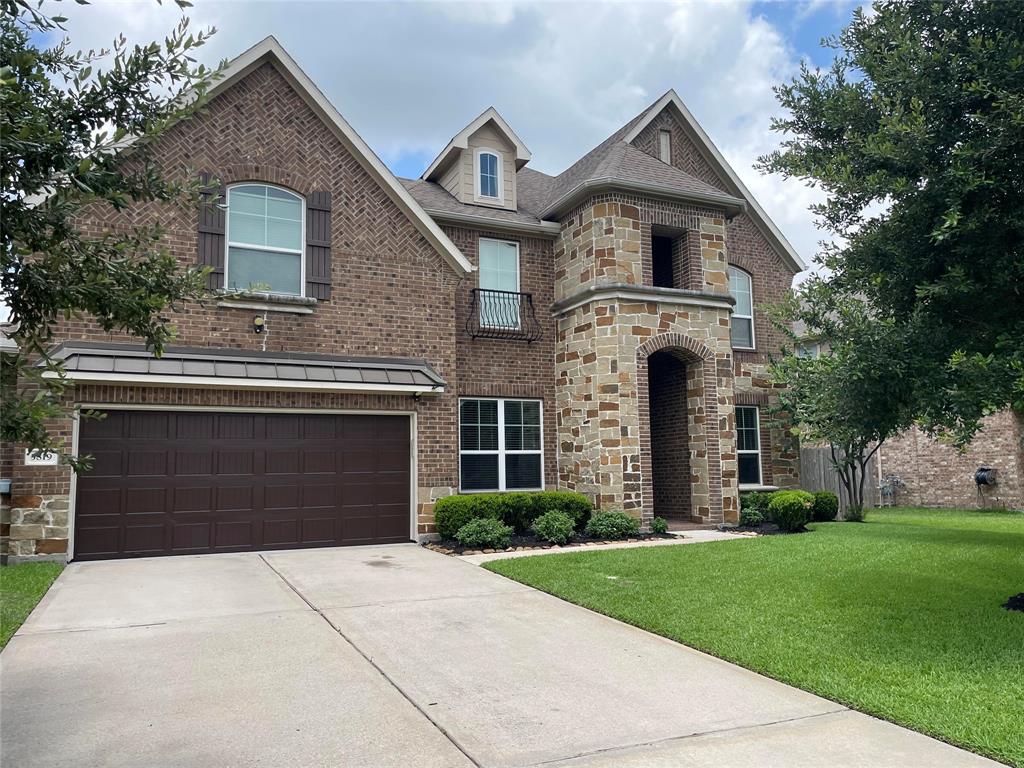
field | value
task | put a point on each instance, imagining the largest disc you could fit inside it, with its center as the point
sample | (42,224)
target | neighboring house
(484,328)
(935,474)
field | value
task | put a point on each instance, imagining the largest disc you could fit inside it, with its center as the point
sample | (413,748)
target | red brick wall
(937,475)
(670,446)
(507,368)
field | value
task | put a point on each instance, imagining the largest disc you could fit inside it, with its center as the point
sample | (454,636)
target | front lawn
(899,617)
(21,587)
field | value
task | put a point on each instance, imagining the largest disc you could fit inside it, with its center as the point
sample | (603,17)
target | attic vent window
(665,146)
(488,175)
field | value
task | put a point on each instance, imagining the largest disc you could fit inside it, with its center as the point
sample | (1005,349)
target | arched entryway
(681,460)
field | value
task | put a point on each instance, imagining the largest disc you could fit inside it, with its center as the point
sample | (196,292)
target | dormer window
(488,175)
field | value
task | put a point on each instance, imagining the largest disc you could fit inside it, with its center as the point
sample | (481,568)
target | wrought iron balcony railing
(502,315)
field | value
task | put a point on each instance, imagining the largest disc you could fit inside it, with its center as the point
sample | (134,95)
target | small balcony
(502,315)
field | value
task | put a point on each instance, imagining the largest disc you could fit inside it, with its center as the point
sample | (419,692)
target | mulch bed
(523,542)
(764,529)
(1015,603)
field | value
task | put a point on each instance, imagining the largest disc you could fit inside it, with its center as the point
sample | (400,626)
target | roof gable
(671,101)
(269,50)
(461,141)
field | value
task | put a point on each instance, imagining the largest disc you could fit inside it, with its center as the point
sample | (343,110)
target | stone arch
(705,456)
(674,341)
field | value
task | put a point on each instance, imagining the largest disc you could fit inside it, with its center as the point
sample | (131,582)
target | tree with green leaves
(856,395)
(77,129)
(916,134)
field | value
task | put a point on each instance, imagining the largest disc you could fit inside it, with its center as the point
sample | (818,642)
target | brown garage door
(176,483)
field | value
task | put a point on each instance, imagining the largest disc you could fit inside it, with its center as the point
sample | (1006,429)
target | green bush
(453,512)
(659,525)
(612,525)
(791,510)
(826,506)
(575,505)
(484,532)
(518,509)
(554,526)
(749,516)
(757,501)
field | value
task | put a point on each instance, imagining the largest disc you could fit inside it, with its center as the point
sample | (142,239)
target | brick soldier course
(393,277)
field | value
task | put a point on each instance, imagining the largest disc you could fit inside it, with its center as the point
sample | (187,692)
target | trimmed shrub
(518,509)
(757,501)
(554,526)
(791,510)
(659,525)
(484,532)
(453,512)
(612,525)
(826,506)
(749,516)
(575,505)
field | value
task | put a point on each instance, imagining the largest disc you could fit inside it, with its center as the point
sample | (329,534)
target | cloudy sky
(408,76)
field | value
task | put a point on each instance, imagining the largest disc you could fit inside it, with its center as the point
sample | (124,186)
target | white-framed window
(741,288)
(499,271)
(265,237)
(665,146)
(500,445)
(748,444)
(488,175)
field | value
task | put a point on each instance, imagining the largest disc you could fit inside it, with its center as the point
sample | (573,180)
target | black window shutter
(211,229)
(318,245)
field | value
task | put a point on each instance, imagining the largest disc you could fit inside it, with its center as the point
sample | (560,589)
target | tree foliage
(856,395)
(77,129)
(916,134)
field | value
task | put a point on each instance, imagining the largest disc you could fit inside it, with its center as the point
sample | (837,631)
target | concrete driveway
(389,656)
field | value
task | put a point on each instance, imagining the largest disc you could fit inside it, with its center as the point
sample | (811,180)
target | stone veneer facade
(609,323)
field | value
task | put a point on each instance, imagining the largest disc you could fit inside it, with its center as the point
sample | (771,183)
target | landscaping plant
(751,517)
(66,117)
(826,506)
(453,512)
(554,526)
(518,510)
(484,533)
(659,525)
(914,133)
(756,502)
(791,510)
(612,525)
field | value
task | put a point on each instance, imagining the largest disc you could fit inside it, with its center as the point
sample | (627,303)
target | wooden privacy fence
(818,474)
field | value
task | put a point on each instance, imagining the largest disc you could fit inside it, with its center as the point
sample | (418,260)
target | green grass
(899,617)
(21,587)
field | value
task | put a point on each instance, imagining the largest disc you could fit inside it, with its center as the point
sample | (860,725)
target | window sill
(758,487)
(267,302)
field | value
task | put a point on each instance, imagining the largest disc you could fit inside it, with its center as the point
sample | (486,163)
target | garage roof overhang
(201,368)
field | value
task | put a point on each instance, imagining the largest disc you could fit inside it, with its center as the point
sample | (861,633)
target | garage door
(176,483)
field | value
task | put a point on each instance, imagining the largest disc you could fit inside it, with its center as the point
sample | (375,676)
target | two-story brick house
(372,343)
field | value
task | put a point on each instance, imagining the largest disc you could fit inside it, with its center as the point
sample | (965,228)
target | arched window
(741,288)
(264,239)
(488,174)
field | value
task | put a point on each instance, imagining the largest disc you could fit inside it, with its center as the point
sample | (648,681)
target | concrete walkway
(389,656)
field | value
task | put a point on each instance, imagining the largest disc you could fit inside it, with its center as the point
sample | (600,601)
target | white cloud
(564,75)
